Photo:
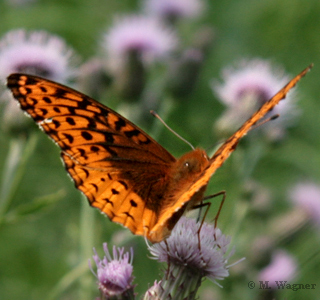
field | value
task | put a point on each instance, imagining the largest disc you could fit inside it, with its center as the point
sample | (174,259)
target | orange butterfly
(123,171)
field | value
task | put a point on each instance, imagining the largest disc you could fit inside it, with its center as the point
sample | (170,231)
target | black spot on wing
(119,124)
(84,103)
(94,148)
(109,137)
(29,81)
(128,214)
(133,203)
(68,137)
(56,123)
(72,110)
(70,121)
(91,123)
(123,183)
(28,90)
(86,135)
(44,111)
(59,93)
(115,192)
(86,172)
(95,186)
(108,201)
(46,100)
(132,133)
(34,101)
(81,151)
(109,150)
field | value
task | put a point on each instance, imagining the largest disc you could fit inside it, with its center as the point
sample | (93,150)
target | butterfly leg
(168,259)
(224,194)
(208,204)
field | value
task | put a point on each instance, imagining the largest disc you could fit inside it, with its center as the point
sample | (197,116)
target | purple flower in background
(132,44)
(283,267)
(168,9)
(144,35)
(245,88)
(33,52)
(20,2)
(114,274)
(38,53)
(307,196)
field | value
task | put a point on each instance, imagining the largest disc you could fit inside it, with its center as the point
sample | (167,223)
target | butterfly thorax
(184,172)
(187,166)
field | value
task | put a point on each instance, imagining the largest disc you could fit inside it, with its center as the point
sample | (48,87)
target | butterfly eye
(190,166)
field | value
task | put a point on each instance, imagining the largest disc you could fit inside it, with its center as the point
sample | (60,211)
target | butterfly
(120,169)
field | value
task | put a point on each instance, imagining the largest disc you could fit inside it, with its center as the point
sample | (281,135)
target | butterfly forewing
(102,151)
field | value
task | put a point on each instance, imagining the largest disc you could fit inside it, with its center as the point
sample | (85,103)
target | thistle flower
(131,44)
(145,35)
(174,9)
(307,196)
(245,89)
(36,52)
(16,3)
(283,267)
(188,263)
(154,292)
(114,274)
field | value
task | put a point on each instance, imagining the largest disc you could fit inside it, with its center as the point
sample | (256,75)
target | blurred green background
(43,255)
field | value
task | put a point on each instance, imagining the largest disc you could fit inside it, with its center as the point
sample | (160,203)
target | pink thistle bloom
(307,197)
(144,35)
(245,88)
(114,274)
(174,8)
(33,52)
(38,53)
(283,267)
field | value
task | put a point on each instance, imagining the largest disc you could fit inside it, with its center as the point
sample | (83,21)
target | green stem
(19,152)
(80,273)
(252,155)
(86,242)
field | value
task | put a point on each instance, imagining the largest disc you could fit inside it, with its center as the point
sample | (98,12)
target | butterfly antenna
(252,127)
(170,129)
(265,121)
